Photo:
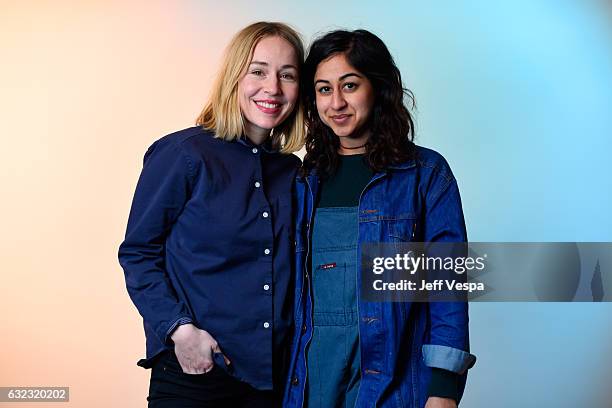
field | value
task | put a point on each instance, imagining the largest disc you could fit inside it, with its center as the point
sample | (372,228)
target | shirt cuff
(444,384)
(447,358)
(173,326)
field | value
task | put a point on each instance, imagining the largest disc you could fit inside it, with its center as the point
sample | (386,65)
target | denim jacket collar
(404,166)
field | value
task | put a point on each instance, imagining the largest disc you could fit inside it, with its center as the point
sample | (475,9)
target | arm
(162,191)
(165,185)
(447,353)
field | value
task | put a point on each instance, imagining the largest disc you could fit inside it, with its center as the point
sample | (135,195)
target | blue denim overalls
(333,355)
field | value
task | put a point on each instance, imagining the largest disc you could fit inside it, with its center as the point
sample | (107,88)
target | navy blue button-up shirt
(210,241)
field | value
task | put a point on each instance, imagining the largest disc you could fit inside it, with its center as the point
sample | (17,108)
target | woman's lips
(268,107)
(340,119)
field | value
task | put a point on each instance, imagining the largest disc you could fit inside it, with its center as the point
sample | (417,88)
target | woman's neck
(350,145)
(256,134)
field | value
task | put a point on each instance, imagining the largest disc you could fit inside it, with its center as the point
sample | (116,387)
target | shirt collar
(266,146)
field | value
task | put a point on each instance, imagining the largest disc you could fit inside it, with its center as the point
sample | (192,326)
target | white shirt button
(266,287)
(266,325)
(255,150)
(257,184)
(267,251)
(265,214)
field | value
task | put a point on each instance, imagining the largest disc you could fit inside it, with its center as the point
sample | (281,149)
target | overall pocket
(328,281)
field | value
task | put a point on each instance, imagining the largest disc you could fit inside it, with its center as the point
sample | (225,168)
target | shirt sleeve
(448,347)
(163,188)
(443,384)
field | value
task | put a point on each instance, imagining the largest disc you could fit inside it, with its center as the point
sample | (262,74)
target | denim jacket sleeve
(163,188)
(448,348)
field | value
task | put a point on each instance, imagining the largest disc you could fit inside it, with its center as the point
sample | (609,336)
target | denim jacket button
(295,381)
(304,328)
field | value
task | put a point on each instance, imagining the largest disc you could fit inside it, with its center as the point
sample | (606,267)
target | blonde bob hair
(222,114)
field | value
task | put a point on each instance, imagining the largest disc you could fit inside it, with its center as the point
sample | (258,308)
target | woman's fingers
(194,361)
(217,350)
(194,350)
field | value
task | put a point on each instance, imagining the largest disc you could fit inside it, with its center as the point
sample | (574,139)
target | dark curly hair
(390,122)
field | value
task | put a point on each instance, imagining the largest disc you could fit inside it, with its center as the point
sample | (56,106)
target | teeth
(268,105)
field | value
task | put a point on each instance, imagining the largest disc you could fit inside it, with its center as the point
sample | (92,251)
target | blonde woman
(207,252)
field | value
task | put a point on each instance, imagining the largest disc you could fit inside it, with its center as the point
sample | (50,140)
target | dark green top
(344,187)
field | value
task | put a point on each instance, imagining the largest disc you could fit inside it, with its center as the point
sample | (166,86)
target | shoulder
(430,161)
(188,139)
(195,143)
(292,160)
(430,169)
(178,152)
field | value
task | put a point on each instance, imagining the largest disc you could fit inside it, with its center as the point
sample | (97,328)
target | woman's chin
(342,131)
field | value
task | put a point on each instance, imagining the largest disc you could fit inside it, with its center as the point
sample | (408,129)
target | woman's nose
(338,101)
(272,85)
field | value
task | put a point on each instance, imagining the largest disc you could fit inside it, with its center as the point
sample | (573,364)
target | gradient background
(516,94)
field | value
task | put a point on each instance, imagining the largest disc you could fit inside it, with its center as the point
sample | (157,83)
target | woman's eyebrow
(349,75)
(266,64)
(343,77)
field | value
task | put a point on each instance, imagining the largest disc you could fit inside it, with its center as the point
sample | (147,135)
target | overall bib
(333,355)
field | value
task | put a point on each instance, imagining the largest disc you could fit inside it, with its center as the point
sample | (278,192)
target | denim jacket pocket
(400,230)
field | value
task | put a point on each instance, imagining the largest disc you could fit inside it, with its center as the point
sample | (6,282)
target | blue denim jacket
(400,342)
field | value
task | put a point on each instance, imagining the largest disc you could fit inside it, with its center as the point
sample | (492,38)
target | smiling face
(344,99)
(268,91)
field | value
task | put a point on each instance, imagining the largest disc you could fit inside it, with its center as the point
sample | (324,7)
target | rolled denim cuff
(447,358)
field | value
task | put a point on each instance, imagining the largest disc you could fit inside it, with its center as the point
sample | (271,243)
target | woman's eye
(324,89)
(288,76)
(257,72)
(350,85)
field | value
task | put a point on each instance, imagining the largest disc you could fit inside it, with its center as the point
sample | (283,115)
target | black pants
(171,388)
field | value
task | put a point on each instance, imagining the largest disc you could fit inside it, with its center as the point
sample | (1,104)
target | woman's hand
(437,402)
(194,349)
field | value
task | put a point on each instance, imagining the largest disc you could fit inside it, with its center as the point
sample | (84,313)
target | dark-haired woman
(364,180)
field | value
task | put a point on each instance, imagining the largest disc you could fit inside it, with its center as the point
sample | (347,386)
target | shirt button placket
(267,250)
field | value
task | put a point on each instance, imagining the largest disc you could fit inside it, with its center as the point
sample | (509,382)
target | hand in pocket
(194,349)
